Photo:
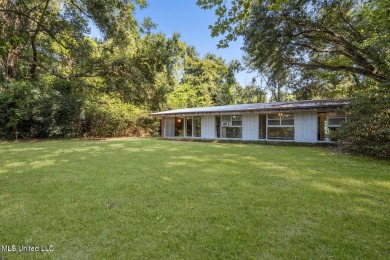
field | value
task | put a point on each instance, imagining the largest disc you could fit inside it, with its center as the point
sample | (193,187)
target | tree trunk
(33,66)
(12,59)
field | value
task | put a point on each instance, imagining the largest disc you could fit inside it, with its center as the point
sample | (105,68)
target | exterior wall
(169,127)
(306,127)
(208,127)
(250,127)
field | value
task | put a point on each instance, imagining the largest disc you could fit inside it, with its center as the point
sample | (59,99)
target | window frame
(328,118)
(193,127)
(329,127)
(277,117)
(229,125)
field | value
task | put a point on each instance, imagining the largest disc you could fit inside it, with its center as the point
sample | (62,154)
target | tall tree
(50,35)
(337,35)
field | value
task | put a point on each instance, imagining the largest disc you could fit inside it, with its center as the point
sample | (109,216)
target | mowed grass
(139,198)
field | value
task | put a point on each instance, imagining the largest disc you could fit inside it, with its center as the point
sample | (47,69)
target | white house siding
(169,127)
(306,127)
(250,127)
(208,127)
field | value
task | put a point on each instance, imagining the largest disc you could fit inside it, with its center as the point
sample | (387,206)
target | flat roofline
(323,109)
(291,106)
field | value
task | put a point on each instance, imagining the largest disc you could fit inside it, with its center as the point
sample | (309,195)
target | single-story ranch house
(308,121)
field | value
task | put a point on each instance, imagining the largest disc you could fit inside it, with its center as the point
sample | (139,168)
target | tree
(337,35)
(50,35)
(368,129)
(208,80)
(252,93)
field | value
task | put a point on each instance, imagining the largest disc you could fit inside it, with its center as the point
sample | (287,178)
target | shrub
(57,109)
(110,117)
(368,132)
(19,110)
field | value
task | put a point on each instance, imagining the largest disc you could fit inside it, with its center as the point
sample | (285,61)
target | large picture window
(190,126)
(280,126)
(230,126)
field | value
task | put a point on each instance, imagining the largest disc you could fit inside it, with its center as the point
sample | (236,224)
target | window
(190,126)
(280,126)
(197,121)
(262,126)
(230,126)
(335,120)
(322,127)
(329,122)
(218,126)
(179,126)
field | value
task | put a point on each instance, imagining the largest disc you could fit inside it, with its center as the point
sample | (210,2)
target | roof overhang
(265,108)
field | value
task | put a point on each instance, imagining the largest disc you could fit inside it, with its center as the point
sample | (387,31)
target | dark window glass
(231,132)
(262,126)
(179,126)
(236,118)
(336,121)
(197,126)
(236,123)
(218,126)
(287,121)
(321,126)
(281,133)
(189,126)
(273,116)
(273,122)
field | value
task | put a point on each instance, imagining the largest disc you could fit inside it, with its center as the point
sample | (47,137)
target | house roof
(301,105)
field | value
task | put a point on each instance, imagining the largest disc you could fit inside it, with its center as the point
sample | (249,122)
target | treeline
(56,81)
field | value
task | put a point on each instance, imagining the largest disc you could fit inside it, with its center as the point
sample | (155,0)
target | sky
(192,22)
(188,19)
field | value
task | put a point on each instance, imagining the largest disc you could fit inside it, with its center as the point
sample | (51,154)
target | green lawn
(154,199)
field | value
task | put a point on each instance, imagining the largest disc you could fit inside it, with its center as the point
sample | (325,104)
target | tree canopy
(338,35)
(55,80)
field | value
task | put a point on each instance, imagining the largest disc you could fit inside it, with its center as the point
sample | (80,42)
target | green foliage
(18,110)
(29,112)
(48,37)
(231,18)
(250,94)
(110,117)
(186,95)
(368,131)
(339,36)
(204,81)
